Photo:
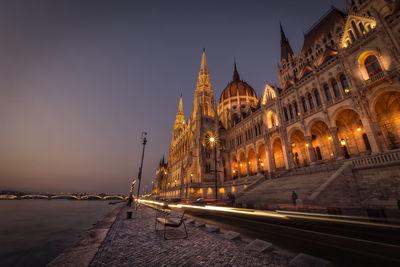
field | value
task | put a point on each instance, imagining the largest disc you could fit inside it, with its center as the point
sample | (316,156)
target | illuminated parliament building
(334,115)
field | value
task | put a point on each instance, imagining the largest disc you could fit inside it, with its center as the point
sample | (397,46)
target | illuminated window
(352,36)
(344,83)
(327,92)
(291,111)
(335,87)
(372,65)
(353,25)
(303,101)
(296,109)
(310,101)
(362,28)
(208,168)
(317,98)
(286,114)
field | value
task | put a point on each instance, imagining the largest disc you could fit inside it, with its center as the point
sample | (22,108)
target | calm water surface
(33,232)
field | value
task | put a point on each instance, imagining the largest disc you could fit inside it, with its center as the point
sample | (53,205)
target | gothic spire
(180,108)
(203,67)
(236,76)
(203,83)
(286,49)
(180,119)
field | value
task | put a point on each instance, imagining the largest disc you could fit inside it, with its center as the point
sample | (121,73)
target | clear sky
(80,80)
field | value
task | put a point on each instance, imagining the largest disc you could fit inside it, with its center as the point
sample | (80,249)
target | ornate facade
(338,99)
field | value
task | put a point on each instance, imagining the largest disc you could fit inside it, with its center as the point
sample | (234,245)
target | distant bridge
(64,196)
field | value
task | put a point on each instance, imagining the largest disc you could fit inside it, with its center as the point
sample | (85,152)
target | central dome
(238,91)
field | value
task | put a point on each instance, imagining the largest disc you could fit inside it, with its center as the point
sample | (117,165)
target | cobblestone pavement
(134,242)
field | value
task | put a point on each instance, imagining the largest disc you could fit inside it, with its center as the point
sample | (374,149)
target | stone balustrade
(377,159)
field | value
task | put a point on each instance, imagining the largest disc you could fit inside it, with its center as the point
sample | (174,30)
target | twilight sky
(80,80)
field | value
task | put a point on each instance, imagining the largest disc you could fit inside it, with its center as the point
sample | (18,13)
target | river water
(33,232)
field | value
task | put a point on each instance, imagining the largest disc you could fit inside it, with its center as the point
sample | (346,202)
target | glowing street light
(343,142)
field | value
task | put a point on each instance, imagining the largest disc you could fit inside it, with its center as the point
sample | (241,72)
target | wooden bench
(173,219)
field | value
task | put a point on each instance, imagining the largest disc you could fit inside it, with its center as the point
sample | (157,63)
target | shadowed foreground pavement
(134,242)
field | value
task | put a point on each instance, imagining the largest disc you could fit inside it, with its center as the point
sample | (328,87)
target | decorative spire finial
(236,76)
(180,108)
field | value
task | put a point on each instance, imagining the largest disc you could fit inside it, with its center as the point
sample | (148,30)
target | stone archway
(351,133)
(262,158)
(278,154)
(242,165)
(322,141)
(387,108)
(235,169)
(252,161)
(299,148)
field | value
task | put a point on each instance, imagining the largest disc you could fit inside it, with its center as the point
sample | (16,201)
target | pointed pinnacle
(203,67)
(236,76)
(180,108)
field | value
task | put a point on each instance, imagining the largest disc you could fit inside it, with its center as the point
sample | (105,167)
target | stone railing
(377,159)
(375,78)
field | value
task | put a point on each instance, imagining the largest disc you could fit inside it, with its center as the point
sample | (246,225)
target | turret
(286,49)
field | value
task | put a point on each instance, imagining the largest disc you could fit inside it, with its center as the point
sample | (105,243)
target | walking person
(294,198)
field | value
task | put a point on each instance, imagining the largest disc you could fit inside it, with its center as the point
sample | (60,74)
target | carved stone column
(310,149)
(247,166)
(336,144)
(258,163)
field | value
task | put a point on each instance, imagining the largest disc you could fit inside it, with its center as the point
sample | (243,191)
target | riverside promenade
(133,242)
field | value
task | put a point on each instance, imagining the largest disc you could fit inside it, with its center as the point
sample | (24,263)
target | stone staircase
(279,190)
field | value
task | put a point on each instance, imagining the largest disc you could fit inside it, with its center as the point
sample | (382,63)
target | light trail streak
(280,214)
(335,218)
(232,210)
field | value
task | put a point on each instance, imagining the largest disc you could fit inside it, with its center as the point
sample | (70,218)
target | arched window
(317,98)
(336,89)
(310,101)
(286,115)
(327,92)
(272,120)
(353,25)
(362,28)
(344,83)
(352,36)
(372,65)
(296,109)
(291,111)
(303,101)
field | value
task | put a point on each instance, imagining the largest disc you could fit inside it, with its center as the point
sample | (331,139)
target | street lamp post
(144,135)
(213,143)
(165,187)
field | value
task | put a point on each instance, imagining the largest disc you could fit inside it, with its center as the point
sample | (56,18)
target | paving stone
(135,243)
(305,260)
(212,229)
(199,224)
(188,221)
(231,235)
(258,245)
